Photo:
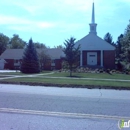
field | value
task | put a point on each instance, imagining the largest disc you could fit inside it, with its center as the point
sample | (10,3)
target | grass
(3,76)
(93,75)
(70,81)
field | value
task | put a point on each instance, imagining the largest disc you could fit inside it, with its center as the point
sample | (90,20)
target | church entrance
(92,58)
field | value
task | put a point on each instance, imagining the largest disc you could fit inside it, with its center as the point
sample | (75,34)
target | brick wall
(109,59)
(9,64)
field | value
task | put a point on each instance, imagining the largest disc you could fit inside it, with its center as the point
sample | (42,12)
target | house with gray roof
(13,58)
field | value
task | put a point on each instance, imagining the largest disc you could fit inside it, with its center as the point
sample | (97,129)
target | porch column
(101,58)
(81,58)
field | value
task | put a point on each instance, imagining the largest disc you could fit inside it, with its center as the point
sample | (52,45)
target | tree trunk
(70,71)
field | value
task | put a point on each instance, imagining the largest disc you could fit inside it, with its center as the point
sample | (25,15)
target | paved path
(21,76)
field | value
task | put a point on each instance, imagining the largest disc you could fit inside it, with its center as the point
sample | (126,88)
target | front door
(92,58)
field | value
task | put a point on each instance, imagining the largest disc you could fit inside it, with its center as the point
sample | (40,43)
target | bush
(101,71)
(108,70)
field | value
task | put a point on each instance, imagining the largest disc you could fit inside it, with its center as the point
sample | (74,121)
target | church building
(95,52)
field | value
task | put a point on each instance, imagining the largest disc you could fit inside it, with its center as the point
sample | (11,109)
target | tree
(4,40)
(72,53)
(108,38)
(16,42)
(40,45)
(30,61)
(126,44)
(43,58)
(124,51)
(59,46)
(119,53)
(119,46)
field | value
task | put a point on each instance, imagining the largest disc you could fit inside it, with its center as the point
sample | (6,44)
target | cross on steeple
(93,25)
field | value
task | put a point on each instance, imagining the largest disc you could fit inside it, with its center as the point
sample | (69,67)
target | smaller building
(13,58)
(94,51)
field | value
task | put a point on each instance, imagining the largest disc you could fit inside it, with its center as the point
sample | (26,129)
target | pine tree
(30,61)
(108,38)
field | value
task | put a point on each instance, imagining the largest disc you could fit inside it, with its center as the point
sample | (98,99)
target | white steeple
(93,25)
(93,14)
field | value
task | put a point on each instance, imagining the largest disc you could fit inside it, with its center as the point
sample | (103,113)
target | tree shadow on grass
(109,73)
(74,76)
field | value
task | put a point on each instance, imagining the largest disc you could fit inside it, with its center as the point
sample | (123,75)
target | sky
(53,21)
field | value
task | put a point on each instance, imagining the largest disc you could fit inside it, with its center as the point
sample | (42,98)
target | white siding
(2,63)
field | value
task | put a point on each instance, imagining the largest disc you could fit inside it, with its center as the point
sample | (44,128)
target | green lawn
(70,81)
(2,76)
(73,81)
(93,75)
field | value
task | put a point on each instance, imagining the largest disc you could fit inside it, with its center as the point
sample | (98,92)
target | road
(29,108)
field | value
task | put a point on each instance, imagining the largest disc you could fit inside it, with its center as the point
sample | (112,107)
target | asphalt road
(29,108)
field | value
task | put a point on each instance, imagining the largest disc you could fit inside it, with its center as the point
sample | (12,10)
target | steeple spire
(93,25)
(93,14)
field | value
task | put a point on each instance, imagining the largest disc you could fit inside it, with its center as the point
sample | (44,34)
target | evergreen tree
(72,54)
(108,38)
(30,61)
(119,46)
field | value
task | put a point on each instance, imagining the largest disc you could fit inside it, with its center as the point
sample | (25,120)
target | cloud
(36,7)
(5,20)
(33,9)
(22,24)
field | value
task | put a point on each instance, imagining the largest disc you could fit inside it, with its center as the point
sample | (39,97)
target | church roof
(93,42)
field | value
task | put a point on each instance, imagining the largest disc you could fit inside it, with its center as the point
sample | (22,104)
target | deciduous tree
(72,53)
(43,58)
(16,42)
(126,44)
(40,45)
(4,41)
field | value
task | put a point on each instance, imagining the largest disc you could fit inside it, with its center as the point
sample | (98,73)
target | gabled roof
(54,53)
(12,54)
(93,42)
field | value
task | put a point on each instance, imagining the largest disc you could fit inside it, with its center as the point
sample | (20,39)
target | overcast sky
(53,21)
